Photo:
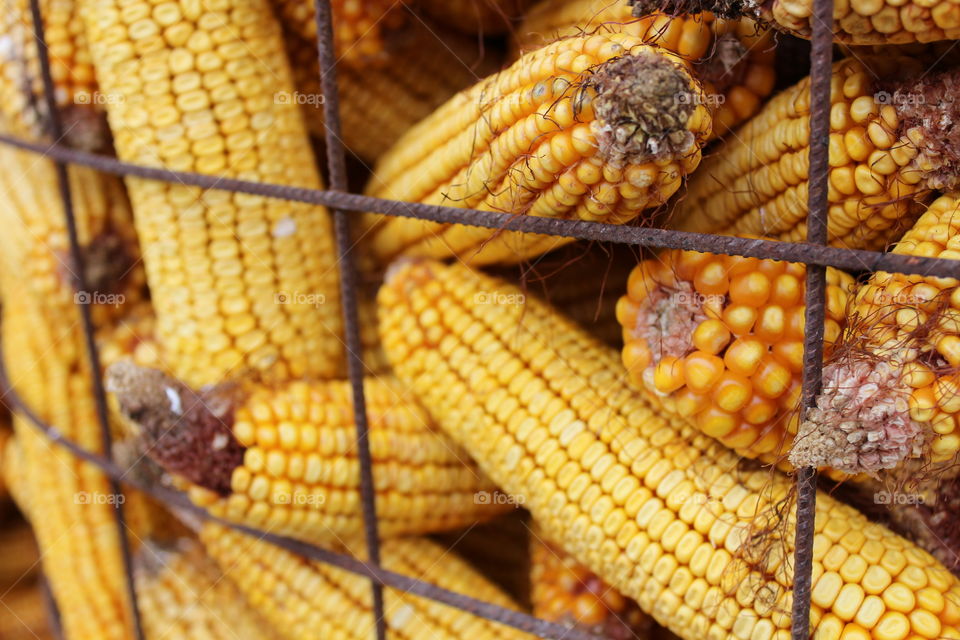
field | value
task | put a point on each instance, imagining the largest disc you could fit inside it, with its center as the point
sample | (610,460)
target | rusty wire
(814,253)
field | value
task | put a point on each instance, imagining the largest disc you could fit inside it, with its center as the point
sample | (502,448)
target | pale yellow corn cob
(238,282)
(306,599)
(184,595)
(361,28)
(561,133)
(662,513)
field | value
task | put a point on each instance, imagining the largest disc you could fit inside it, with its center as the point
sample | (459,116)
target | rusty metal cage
(814,253)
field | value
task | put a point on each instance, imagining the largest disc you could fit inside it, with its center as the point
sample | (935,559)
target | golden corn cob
(424,66)
(557,134)
(887,151)
(361,28)
(184,595)
(484,17)
(890,392)
(306,599)
(284,458)
(22,107)
(566,592)
(719,340)
(662,513)
(25,614)
(733,59)
(855,22)
(239,282)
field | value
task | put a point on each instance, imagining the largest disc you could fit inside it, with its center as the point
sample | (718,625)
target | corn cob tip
(185,432)
(929,112)
(726,9)
(861,423)
(643,104)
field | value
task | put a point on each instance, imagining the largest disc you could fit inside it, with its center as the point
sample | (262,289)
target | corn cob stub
(662,513)
(854,22)
(719,339)
(733,59)
(285,457)
(240,283)
(566,592)
(891,394)
(309,599)
(568,131)
(889,147)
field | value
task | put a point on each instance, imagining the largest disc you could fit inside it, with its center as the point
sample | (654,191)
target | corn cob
(306,599)
(854,22)
(238,281)
(379,103)
(566,592)
(890,394)
(70,503)
(733,59)
(556,134)
(361,28)
(25,614)
(719,340)
(888,149)
(659,511)
(184,595)
(284,458)
(484,17)
(22,106)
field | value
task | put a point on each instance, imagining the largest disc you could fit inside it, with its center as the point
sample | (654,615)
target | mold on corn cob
(184,595)
(307,599)
(854,22)
(891,143)
(733,59)
(718,340)
(240,283)
(424,66)
(566,592)
(596,128)
(890,395)
(284,458)
(664,514)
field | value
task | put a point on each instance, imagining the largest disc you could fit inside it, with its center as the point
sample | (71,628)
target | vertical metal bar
(336,166)
(821,58)
(80,285)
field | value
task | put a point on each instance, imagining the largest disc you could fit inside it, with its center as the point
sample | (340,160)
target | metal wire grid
(814,253)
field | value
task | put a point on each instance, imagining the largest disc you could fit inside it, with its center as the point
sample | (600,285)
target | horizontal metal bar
(847,259)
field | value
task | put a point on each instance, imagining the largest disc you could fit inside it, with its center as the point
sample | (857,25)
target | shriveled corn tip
(596,128)
(722,338)
(892,393)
